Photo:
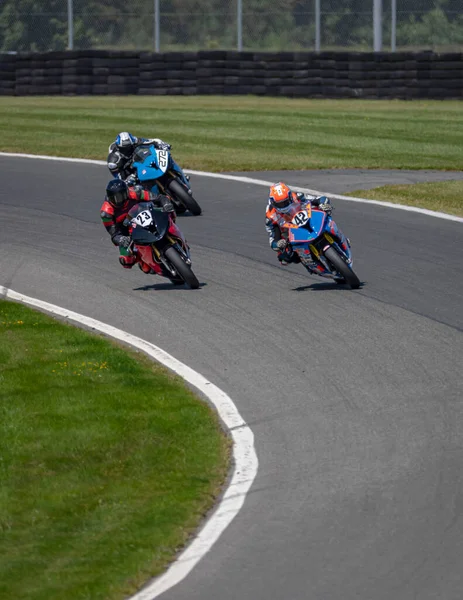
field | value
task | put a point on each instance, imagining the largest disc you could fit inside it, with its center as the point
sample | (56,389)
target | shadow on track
(326,286)
(167,286)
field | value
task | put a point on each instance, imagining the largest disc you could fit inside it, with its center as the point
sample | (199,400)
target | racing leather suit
(113,219)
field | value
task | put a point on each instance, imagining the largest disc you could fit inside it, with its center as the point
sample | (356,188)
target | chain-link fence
(258,25)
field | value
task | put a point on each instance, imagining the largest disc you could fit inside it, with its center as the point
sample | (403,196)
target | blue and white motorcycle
(319,244)
(158,172)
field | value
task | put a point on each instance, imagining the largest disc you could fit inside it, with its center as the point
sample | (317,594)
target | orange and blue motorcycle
(320,245)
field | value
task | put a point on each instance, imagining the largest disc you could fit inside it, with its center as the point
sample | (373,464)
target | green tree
(41,25)
(434,29)
(33,25)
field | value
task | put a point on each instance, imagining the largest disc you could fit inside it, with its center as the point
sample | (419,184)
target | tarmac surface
(354,397)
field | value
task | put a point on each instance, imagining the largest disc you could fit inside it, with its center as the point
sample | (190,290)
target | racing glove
(160,144)
(168,207)
(131,180)
(324,204)
(138,189)
(326,208)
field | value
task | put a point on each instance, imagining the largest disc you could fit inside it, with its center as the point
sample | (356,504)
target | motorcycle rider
(120,198)
(122,149)
(283,201)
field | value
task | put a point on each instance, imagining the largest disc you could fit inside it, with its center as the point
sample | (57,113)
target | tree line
(42,25)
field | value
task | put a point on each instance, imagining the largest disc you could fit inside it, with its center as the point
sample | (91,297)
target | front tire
(178,191)
(182,268)
(342,267)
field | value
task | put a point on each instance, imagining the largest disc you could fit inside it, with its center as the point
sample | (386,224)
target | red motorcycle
(160,244)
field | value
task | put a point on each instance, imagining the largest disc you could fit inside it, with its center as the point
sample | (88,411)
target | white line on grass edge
(244,454)
(423,211)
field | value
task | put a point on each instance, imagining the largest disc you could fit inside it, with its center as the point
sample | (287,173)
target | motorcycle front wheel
(182,268)
(342,267)
(179,192)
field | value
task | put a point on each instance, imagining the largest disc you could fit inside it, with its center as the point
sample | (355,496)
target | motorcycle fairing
(150,163)
(144,237)
(148,224)
(308,232)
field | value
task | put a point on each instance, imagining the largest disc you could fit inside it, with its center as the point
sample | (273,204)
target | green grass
(254,133)
(443,196)
(107,462)
(244,133)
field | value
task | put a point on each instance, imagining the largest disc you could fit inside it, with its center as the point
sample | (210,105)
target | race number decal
(144,218)
(300,218)
(162,156)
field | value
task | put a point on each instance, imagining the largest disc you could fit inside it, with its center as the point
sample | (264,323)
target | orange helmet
(281,197)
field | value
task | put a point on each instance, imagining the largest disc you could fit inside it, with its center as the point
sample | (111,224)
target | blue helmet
(125,142)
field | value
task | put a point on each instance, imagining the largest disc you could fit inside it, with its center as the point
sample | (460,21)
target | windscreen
(142,153)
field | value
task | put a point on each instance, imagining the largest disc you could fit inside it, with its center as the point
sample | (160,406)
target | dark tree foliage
(41,25)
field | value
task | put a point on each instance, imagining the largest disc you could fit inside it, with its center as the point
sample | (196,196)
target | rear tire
(342,267)
(182,268)
(178,191)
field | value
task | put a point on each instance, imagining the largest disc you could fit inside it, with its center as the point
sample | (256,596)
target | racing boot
(127,261)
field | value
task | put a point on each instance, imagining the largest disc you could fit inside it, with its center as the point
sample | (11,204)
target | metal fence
(258,25)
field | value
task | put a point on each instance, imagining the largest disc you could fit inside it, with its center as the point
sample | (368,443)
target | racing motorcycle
(157,172)
(314,236)
(160,244)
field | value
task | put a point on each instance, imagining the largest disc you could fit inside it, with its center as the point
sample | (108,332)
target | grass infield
(442,196)
(253,134)
(108,462)
(244,133)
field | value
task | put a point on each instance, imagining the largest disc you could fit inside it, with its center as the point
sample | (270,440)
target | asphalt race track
(354,397)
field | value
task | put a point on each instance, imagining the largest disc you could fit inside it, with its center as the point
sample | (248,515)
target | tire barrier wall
(291,74)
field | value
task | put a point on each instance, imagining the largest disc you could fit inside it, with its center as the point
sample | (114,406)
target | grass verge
(254,133)
(442,196)
(244,133)
(108,462)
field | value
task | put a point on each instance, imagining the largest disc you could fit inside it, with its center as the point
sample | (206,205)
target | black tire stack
(172,73)
(7,74)
(403,75)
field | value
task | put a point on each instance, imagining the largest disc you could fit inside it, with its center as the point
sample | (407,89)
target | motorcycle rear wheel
(342,268)
(179,192)
(182,268)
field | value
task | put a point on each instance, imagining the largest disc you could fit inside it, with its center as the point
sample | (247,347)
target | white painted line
(243,179)
(244,454)
(87,161)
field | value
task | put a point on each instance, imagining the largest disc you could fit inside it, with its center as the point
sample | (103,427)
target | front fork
(340,240)
(340,237)
(176,172)
(158,255)
(161,185)
(337,239)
